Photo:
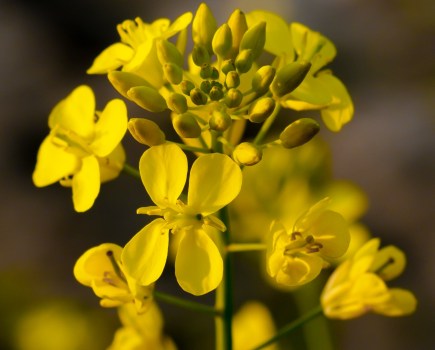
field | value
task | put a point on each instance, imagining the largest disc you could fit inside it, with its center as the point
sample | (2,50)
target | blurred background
(386,58)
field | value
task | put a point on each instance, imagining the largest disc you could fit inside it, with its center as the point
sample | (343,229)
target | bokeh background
(386,57)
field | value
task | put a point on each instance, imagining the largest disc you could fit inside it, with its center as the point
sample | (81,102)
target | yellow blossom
(141,331)
(214,181)
(253,325)
(101,269)
(297,257)
(83,148)
(358,285)
(136,52)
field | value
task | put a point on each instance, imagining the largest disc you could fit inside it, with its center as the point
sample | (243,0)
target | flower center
(300,244)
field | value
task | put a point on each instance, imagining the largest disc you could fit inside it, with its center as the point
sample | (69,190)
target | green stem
(192,148)
(266,125)
(187,304)
(224,294)
(245,247)
(130,170)
(292,326)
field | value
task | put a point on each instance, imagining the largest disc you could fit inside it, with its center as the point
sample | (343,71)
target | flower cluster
(247,70)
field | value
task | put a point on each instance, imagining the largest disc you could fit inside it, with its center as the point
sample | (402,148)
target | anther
(295,235)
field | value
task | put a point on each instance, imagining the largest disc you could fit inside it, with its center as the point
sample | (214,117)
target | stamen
(295,235)
(385,265)
(115,266)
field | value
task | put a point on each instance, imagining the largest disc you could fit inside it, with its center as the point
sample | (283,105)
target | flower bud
(228,66)
(198,97)
(299,132)
(238,26)
(261,109)
(247,153)
(254,39)
(244,61)
(232,80)
(173,73)
(219,120)
(124,81)
(206,71)
(146,132)
(147,98)
(186,125)
(233,98)
(200,55)
(168,53)
(214,73)
(216,93)
(205,86)
(289,78)
(203,27)
(177,103)
(222,41)
(262,79)
(186,87)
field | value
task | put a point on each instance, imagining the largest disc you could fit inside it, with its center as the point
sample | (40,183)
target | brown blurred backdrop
(386,57)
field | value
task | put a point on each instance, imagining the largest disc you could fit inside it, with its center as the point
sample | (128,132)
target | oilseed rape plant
(221,189)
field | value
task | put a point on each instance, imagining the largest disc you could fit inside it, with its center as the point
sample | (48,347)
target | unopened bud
(203,27)
(228,66)
(233,98)
(186,125)
(177,103)
(222,41)
(299,132)
(289,78)
(262,79)
(146,132)
(232,80)
(238,26)
(206,71)
(200,55)
(247,153)
(124,81)
(244,61)
(168,53)
(254,39)
(198,97)
(214,74)
(147,98)
(261,110)
(216,93)
(173,73)
(205,86)
(186,87)
(219,120)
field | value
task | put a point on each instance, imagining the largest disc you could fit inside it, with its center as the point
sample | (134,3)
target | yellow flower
(141,331)
(358,285)
(136,52)
(83,148)
(100,268)
(320,88)
(297,257)
(253,325)
(214,181)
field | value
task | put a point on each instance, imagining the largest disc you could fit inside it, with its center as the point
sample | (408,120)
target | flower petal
(340,112)
(144,256)
(299,270)
(86,184)
(402,302)
(389,262)
(278,37)
(110,128)
(53,163)
(111,166)
(75,113)
(163,170)
(111,58)
(198,264)
(94,262)
(178,25)
(215,180)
